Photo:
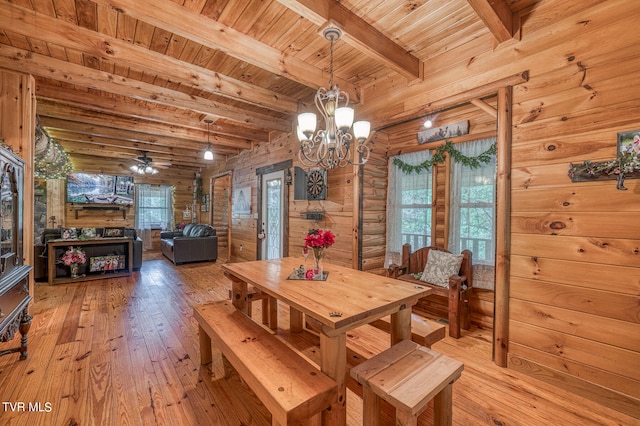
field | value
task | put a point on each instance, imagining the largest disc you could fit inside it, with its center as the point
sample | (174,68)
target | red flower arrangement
(319,238)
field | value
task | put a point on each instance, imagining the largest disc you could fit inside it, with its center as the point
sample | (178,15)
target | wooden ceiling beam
(358,34)
(71,113)
(73,148)
(54,125)
(497,16)
(210,33)
(137,146)
(485,107)
(136,109)
(44,66)
(58,32)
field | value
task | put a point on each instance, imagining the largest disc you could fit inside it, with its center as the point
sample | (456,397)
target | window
(408,207)
(154,206)
(473,211)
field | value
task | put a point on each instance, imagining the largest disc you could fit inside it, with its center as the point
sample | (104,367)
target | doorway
(273,210)
(272,215)
(221,212)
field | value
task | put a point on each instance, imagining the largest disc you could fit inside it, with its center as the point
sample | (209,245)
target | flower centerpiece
(318,240)
(72,258)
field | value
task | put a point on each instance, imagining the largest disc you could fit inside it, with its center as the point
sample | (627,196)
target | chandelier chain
(331,64)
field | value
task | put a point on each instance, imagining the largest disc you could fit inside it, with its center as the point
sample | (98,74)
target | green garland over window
(439,157)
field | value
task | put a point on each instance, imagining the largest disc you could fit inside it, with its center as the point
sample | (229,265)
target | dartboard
(315,185)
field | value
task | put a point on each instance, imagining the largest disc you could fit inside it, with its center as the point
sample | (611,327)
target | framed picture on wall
(444,132)
(629,142)
(242,201)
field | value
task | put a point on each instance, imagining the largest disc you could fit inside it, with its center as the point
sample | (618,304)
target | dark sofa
(197,242)
(40,250)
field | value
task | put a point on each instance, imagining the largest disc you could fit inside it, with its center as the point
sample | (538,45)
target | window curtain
(154,210)
(397,181)
(472,212)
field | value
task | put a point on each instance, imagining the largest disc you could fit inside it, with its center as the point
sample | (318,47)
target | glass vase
(318,255)
(74,270)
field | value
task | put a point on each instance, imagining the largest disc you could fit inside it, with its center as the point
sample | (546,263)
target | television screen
(87,188)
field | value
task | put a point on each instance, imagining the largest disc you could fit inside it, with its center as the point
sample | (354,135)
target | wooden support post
(503,228)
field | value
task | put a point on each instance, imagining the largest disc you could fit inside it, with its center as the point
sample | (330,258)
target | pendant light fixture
(208,154)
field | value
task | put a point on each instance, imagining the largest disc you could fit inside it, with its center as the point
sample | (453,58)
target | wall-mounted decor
(311,185)
(625,166)
(444,132)
(242,201)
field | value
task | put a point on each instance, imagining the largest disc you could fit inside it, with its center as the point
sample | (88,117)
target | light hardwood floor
(125,351)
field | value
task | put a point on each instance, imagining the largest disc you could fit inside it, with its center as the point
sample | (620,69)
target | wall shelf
(123,209)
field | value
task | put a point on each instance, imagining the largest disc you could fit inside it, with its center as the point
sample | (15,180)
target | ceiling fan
(144,167)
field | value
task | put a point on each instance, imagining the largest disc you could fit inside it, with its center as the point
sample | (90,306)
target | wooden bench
(290,387)
(408,376)
(458,293)
(269,306)
(424,331)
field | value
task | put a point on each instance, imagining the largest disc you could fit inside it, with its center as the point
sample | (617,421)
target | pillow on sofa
(69,234)
(440,266)
(113,232)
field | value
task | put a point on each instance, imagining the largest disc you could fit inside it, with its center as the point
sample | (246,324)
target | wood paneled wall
(373,199)
(338,207)
(574,304)
(221,205)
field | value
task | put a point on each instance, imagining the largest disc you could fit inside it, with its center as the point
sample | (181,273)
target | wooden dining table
(347,299)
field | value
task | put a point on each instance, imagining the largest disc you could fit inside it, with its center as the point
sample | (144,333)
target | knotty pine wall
(338,206)
(574,270)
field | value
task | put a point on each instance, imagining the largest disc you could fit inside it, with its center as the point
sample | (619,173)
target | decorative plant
(319,238)
(626,164)
(74,256)
(439,157)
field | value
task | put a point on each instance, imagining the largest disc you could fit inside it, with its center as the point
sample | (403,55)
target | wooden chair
(408,376)
(458,293)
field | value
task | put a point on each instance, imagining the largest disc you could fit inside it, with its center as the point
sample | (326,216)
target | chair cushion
(440,266)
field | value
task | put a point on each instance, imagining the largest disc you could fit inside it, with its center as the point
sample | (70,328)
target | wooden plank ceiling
(117,77)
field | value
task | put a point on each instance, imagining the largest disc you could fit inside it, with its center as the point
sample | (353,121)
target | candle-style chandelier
(332,146)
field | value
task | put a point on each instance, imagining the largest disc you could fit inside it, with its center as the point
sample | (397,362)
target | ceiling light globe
(134,168)
(428,124)
(208,154)
(307,122)
(361,130)
(148,169)
(344,118)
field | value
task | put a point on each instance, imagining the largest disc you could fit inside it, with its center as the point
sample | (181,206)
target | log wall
(338,207)
(574,286)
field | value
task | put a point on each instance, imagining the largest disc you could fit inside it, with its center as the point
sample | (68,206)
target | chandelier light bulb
(344,118)
(307,124)
(361,130)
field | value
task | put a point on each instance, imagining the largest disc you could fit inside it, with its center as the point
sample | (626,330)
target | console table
(93,248)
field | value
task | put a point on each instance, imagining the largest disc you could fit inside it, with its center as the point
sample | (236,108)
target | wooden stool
(408,376)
